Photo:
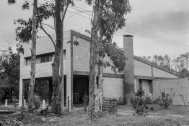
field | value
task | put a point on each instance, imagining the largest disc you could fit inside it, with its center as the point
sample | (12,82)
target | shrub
(139,103)
(122,101)
(36,101)
(152,108)
(166,100)
(148,100)
(156,101)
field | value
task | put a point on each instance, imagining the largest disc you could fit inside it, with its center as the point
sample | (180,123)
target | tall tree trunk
(33,61)
(100,76)
(55,66)
(93,63)
(62,72)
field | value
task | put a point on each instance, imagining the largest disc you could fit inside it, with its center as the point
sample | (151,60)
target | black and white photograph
(94,62)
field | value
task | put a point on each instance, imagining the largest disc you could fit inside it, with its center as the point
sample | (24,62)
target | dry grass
(78,118)
(107,121)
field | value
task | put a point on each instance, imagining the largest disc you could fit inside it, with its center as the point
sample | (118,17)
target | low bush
(138,102)
(36,101)
(166,100)
(148,100)
(122,101)
(156,101)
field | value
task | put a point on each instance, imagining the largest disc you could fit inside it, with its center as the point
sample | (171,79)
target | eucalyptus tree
(108,16)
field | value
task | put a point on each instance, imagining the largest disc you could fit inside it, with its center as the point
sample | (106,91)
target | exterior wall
(160,73)
(142,69)
(171,86)
(113,87)
(81,57)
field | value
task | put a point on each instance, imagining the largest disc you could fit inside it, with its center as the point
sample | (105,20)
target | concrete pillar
(6,102)
(129,67)
(21,91)
(44,104)
(69,91)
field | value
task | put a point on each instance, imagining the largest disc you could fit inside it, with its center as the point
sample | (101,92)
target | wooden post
(33,59)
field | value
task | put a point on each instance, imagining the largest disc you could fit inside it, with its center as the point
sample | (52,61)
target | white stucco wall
(171,86)
(142,69)
(113,87)
(81,57)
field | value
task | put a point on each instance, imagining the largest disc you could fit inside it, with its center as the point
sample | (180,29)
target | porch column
(68,92)
(21,92)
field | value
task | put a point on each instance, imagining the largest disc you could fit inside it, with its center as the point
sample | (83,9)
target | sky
(159,27)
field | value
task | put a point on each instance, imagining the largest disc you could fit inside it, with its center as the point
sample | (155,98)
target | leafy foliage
(166,100)
(116,55)
(36,101)
(24,29)
(10,68)
(138,102)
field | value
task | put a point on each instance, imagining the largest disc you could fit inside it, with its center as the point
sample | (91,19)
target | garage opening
(80,88)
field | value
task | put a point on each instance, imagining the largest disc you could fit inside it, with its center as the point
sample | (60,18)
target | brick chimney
(129,67)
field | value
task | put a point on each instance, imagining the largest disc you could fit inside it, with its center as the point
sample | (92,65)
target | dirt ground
(173,116)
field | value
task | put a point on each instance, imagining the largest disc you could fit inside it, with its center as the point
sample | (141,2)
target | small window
(46,58)
(151,87)
(43,59)
(140,84)
(28,61)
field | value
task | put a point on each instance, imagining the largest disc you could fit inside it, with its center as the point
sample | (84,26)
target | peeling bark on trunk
(93,65)
(55,66)
(33,61)
(62,76)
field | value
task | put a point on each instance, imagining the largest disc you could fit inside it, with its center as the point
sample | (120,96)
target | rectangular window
(140,84)
(151,87)
(40,59)
(43,59)
(28,60)
(46,58)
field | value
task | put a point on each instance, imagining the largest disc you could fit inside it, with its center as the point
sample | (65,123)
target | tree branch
(48,25)
(63,16)
(41,26)
(47,34)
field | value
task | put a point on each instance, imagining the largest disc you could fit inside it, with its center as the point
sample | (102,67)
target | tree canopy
(10,68)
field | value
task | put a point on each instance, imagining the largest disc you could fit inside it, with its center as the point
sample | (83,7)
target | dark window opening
(40,58)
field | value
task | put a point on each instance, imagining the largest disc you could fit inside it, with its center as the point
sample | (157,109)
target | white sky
(164,18)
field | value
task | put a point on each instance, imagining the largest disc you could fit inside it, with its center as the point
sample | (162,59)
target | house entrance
(80,87)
